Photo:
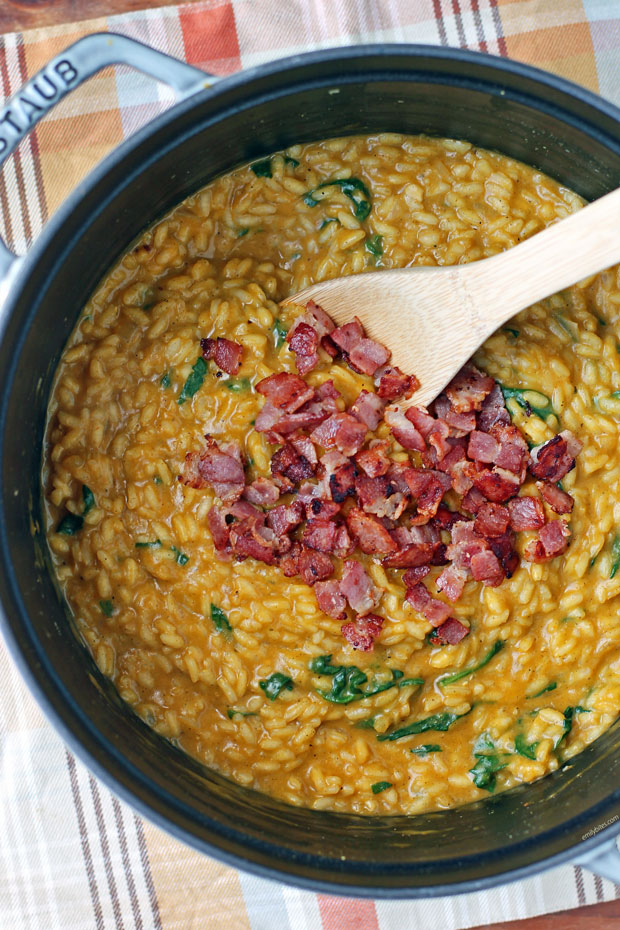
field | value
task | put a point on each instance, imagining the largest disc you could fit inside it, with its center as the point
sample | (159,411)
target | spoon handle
(583,244)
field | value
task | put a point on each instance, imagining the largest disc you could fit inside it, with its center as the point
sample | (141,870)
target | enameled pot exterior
(567,132)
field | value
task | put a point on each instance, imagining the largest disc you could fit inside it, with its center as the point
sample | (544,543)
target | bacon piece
(513,452)
(303,340)
(317,508)
(374,461)
(482,447)
(445,518)
(456,465)
(452,632)
(465,544)
(403,429)
(416,546)
(503,547)
(552,460)
(460,423)
(493,410)
(368,409)
(314,566)
(340,430)
(367,356)
(451,582)
(358,588)
(286,391)
(342,482)
(289,467)
(473,500)
(362,632)
(289,562)
(330,599)
(486,567)
(555,497)
(226,354)
(492,519)
(215,467)
(391,383)
(468,389)
(328,345)
(497,484)
(320,535)
(304,446)
(526,513)
(261,492)
(372,537)
(552,540)
(307,417)
(244,510)
(220,529)
(348,335)
(414,575)
(427,488)
(321,321)
(344,545)
(435,611)
(379,496)
(284,519)
(257,542)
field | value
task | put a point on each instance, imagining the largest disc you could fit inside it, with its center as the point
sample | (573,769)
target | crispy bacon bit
(358,588)
(526,513)
(503,547)
(452,631)
(379,496)
(226,354)
(289,467)
(391,383)
(330,599)
(374,461)
(261,492)
(486,567)
(473,501)
(428,488)
(555,497)
(552,540)
(344,546)
(435,611)
(347,336)
(314,566)
(493,410)
(468,389)
(289,563)
(328,345)
(445,518)
(342,482)
(451,582)
(320,535)
(319,509)
(513,451)
(249,539)
(215,467)
(322,322)
(457,466)
(403,429)
(371,535)
(417,546)
(554,459)
(284,519)
(220,529)
(497,484)
(492,519)
(285,391)
(303,340)
(340,430)
(368,409)
(414,575)
(367,356)
(362,632)
(482,447)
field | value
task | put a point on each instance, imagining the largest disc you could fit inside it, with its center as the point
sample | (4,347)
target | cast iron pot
(569,133)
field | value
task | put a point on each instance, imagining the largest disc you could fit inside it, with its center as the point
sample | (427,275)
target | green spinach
(194,381)
(165,380)
(220,620)
(464,672)
(155,544)
(89,499)
(180,557)
(374,245)
(275,684)
(425,748)
(524,748)
(107,608)
(279,331)
(70,524)
(530,401)
(380,786)
(238,385)
(550,687)
(348,679)
(439,722)
(615,557)
(353,188)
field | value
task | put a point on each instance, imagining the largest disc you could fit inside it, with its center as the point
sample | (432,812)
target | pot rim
(68,718)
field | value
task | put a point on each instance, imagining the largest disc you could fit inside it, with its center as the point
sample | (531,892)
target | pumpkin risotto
(344,603)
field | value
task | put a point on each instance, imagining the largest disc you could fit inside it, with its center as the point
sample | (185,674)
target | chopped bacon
(526,513)
(261,492)
(368,409)
(403,429)
(428,488)
(304,446)
(555,497)
(492,519)
(503,547)
(342,482)
(314,566)
(328,345)
(284,519)
(380,496)
(433,609)
(497,484)
(457,466)
(486,567)
(552,540)
(493,410)
(289,563)
(215,467)
(451,582)
(513,451)
(473,500)
(468,389)
(367,356)
(320,535)
(460,423)
(330,599)
(416,546)
(322,322)
(358,588)
(340,430)
(226,354)
(391,383)
(219,527)
(445,518)
(257,542)
(452,632)
(362,632)
(414,575)
(317,508)
(348,336)
(374,461)
(372,537)
(303,340)
(344,545)
(552,460)
(289,467)
(285,391)
(482,447)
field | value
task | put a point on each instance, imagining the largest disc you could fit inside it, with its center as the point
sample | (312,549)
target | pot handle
(71,68)
(604,860)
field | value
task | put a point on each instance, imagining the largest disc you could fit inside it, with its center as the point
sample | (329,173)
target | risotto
(231,658)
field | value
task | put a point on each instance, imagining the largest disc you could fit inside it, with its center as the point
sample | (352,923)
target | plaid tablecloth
(72,855)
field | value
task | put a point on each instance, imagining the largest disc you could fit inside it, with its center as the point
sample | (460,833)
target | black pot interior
(441,92)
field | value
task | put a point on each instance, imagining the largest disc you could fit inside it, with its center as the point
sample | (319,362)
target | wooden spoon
(434,319)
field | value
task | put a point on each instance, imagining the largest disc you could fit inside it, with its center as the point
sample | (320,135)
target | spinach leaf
(165,380)
(615,557)
(181,558)
(220,620)
(280,331)
(464,672)
(276,683)
(107,608)
(483,772)
(380,786)
(352,188)
(157,480)
(408,681)
(513,332)
(233,712)
(89,499)
(348,679)
(569,715)
(194,381)
(525,749)
(374,244)
(238,385)
(530,401)
(327,220)
(550,687)
(155,544)
(435,722)
(243,232)
(70,524)
(425,748)
(368,724)
(288,160)
(262,169)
